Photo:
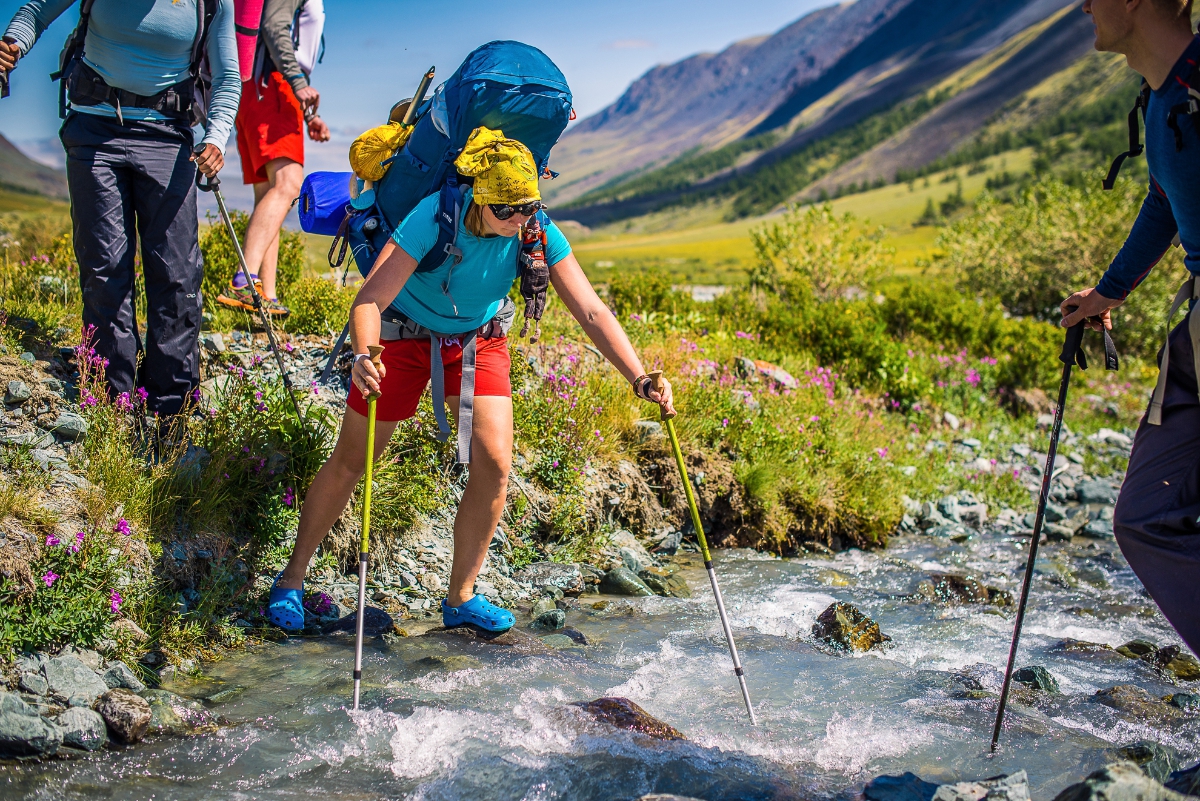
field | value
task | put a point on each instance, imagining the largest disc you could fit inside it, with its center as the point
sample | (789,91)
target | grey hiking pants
(1157,513)
(134,183)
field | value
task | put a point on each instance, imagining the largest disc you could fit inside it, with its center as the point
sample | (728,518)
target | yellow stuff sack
(373,147)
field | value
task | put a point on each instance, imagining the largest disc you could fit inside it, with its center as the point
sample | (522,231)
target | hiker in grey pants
(131,172)
(1155,520)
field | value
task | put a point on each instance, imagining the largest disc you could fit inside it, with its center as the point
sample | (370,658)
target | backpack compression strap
(449,214)
(1135,143)
(535,274)
(1190,107)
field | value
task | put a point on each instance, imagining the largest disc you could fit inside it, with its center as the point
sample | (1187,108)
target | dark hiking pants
(1156,516)
(128,183)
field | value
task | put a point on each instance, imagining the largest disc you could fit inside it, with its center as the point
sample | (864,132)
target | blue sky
(376,51)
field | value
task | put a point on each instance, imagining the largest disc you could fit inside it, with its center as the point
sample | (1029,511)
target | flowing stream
(446,717)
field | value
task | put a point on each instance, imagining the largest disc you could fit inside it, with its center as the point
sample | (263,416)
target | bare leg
(284,178)
(483,500)
(331,490)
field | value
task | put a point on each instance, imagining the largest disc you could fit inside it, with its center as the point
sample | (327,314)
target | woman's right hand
(10,54)
(367,375)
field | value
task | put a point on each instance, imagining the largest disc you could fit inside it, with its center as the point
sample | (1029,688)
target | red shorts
(407,365)
(269,127)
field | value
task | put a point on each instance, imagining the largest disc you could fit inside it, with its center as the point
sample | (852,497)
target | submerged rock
(1185,781)
(82,728)
(1036,677)
(1121,781)
(174,715)
(1156,760)
(127,714)
(625,714)
(664,583)
(949,588)
(551,619)
(1136,649)
(1178,662)
(23,732)
(1137,703)
(568,578)
(843,626)
(376,623)
(910,787)
(622,581)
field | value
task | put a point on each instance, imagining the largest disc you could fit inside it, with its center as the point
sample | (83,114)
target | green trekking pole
(668,420)
(375,351)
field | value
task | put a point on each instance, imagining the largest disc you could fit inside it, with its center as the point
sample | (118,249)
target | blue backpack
(503,85)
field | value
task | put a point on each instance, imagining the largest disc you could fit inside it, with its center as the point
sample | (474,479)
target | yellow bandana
(503,169)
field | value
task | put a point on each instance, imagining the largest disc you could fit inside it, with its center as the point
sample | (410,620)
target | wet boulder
(376,623)
(845,628)
(625,714)
(1186,701)
(126,714)
(667,797)
(68,677)
(552,619)
(1096,491)
(623,581)
(1120,781)
(663,582)
(949,588)
(1179,663)
(1036,677)
(568,578)
(174,715)
(1136,649)
(118,674)
(23,732)
(82,728)
(910,787)
(1156,760)
(1137,704)
(1185,781)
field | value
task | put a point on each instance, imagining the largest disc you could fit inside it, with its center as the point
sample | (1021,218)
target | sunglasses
(503,211)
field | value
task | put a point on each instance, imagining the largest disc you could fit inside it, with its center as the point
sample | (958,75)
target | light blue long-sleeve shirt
(145,46)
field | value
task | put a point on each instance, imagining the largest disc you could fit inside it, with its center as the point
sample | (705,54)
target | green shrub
(646,292)
(221,262)
(318,306)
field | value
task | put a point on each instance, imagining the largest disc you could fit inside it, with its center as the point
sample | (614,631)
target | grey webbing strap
(437,377)
(466,399)
(1186,293)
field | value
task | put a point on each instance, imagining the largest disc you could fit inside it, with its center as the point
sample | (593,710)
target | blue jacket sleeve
(1148,241)
(226,79)
(32,20)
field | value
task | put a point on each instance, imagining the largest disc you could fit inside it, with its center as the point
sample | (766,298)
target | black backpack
(1189,108)
(189,98)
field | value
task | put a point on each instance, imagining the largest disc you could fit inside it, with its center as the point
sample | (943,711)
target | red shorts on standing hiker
(270,125)
(407,365)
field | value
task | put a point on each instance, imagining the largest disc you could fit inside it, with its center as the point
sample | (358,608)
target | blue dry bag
(324,197)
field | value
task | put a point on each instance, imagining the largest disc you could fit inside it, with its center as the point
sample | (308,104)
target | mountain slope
(19,172)
(947,64)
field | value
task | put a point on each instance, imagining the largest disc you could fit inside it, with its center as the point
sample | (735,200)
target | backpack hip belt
(1189,292)
(86,87)
(395,325)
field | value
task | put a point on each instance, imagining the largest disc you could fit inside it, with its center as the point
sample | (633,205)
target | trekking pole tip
(656,381)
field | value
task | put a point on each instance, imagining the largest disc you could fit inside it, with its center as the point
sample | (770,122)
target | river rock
(1187,701)
(69,677)
(552,619)
(1156,760)
(1036,677)
(127,714)
(127,629)
(174,715)
(1096,491)
(625,714)
(844,627)
(82,728)
(1137,649)
(376,623)
(541,606)
(1120,781)
(625,541)
(17,393)
(905,787)
(662,797)
(118,674)
(1175,660)
(23,732)
(558,641)
(910,787)
(1185,781)
(663,583)
(622,581)
(1136,703)
(70,426)
(34,683)
(568,578)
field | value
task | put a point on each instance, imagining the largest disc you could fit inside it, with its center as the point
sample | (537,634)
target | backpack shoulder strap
(206,10)
(448,217)
(1135,141)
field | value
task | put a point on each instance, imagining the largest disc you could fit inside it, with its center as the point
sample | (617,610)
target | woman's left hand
(664,397)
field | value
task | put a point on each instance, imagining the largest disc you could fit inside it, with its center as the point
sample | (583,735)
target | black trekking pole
(3,84)
(213,185)
(1072,354)
(410,114)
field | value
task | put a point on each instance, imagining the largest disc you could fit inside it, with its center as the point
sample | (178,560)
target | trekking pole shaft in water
(364,545)
(1070,347)
(214,185)
(704,552)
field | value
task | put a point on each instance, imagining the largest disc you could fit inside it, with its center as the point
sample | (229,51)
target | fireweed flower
(973,376)
(124,404)
(50,577)
(142,394)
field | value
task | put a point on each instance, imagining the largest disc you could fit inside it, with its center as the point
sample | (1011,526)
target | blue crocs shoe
(286,607)
(478,612)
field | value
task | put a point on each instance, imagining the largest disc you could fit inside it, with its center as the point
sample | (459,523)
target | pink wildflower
(122,527)
(124,404)
(50,577)
(114,601)
(52,540)
(142,394)
(973,377)
(289,496)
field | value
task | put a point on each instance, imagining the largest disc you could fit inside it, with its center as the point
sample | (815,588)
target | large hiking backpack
(1189,108)
(503,85)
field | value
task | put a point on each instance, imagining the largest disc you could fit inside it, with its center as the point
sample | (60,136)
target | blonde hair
(474,223)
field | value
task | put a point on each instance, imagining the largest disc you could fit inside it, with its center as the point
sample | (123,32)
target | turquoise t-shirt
(455,300)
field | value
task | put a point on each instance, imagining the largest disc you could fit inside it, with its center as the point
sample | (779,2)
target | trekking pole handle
(374,353)
(656,383)
(213,183)
(1073,342)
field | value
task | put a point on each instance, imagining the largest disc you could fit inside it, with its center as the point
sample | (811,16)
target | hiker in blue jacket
(467,302)
(1156,517)
(128,133)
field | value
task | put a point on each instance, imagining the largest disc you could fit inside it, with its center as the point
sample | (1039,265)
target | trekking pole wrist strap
(642,386)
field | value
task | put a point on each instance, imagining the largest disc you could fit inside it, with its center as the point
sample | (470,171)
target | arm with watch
(395,266)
